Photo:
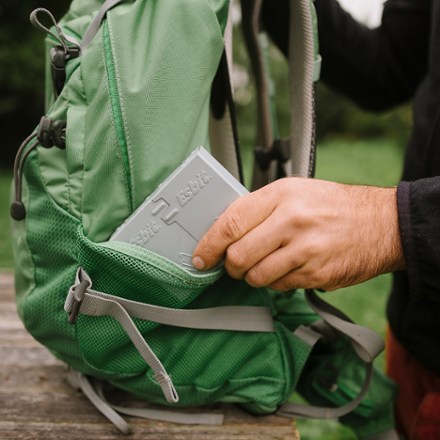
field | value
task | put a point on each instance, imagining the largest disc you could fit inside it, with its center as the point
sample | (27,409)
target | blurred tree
(22,64)
(338,117)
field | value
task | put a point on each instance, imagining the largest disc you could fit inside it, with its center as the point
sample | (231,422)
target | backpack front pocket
(135,274)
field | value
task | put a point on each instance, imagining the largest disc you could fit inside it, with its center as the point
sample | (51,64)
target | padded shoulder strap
(223,132)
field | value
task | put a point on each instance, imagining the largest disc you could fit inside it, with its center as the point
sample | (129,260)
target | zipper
(117,109)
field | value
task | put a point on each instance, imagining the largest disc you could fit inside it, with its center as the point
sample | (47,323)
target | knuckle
(236,260)
(231,227)
(283,285)
(256,278)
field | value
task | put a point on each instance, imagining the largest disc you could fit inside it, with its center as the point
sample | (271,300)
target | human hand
(306,233)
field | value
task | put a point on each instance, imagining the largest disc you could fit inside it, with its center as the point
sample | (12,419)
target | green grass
(357,162)
(371,162)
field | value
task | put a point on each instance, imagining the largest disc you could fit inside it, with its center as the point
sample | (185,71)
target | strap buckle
(78,295)
(279,152)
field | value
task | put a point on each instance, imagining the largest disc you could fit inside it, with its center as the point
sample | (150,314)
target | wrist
(389,243)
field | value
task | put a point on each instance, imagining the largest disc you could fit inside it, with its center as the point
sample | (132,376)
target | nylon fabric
(173,73)
(53,268)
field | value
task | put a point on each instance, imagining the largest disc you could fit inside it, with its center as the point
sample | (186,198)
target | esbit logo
(146,234)
(193,187)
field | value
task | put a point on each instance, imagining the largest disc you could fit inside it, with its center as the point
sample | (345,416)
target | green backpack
(133,88)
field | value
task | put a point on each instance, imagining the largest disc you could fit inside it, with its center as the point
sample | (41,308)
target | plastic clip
(79,293)
(58,59)
(280,152)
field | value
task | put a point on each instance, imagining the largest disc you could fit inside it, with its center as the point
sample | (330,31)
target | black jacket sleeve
(418,204)
(377,68)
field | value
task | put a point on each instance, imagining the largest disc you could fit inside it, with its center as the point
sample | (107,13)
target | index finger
(237,220)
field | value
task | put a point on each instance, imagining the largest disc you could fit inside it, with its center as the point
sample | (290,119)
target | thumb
(243,215)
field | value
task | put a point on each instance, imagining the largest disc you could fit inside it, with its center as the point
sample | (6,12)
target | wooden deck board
(37,403)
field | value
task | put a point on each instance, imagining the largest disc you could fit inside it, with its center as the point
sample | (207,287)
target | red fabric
(418,401)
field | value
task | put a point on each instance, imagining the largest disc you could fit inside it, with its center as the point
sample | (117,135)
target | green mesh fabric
(130,271)
(51,240)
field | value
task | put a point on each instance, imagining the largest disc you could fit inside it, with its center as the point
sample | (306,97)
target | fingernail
(198,263)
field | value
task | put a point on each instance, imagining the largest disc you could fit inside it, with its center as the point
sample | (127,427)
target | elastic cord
(17,208)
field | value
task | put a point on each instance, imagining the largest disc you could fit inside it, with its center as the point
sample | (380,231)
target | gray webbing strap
(234,318)
(301,80)
(93,390)
(60,37)
(165,415)
(365,342)
(96,23)
(322,412)
(97,306)
(172,416)
(80,382)
(308,335)
(251,31)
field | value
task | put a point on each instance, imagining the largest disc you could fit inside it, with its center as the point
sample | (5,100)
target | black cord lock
(52,133)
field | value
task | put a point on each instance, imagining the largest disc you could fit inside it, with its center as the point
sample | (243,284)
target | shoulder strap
(304,67)
(223,131)
(251,10)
